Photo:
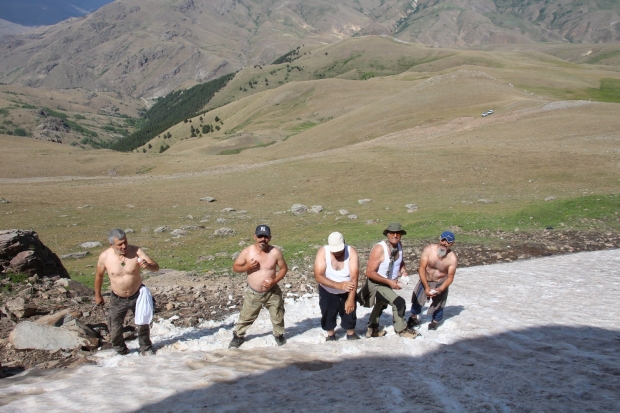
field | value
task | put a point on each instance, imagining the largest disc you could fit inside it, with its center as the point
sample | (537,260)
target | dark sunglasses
(447,240)
(263,236)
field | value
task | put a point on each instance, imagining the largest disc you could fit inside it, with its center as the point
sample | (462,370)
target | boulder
(21,251)
(161,229)
(178,232)
(17,308)
(80,328)
(75,255)
(208,199)
(343,212)
(27,335)
(80,289)
(54,320)
(90,244)
(315,209)
(363,201)
(298,209)
(224,231)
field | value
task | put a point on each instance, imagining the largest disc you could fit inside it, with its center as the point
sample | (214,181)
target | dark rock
(21,251)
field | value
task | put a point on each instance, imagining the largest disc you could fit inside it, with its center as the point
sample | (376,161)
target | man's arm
(99,272)
(349,305)
(147,263)
(422,271)
(375,259)
(241,264)
(320,266)
(403,268)
(282,267)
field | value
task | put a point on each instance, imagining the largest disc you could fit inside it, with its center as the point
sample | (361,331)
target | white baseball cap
(336,242)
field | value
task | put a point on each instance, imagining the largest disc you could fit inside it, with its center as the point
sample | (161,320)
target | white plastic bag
(144,307)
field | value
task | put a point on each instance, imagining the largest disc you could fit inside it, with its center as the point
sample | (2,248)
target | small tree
(150,146)
(217,119)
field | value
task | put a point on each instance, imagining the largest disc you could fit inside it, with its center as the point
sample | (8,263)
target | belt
(131,297)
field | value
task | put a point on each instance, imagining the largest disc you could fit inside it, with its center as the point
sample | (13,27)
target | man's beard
(442,252)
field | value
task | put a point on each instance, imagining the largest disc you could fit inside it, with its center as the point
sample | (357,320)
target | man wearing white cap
(336,269)
(437,268)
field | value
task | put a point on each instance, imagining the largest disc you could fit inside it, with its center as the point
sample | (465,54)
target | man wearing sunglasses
(437,268)
(385,264)
(265,267)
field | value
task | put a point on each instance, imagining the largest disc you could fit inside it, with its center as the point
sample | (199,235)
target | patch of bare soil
(195,297)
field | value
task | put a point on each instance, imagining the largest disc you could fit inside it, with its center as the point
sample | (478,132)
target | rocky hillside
(148,49)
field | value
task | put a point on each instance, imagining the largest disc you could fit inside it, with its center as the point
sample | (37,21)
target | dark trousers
(332,305)
(118,310)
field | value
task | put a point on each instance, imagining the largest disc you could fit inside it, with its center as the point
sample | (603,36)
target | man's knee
(401,306)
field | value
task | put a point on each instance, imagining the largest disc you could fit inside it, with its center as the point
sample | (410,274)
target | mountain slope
(149,49)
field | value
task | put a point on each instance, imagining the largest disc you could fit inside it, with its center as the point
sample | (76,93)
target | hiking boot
(353,337)
(330,338)
(146,353)
(375,332)
(236,341)
(123,351)
(407,333)
(433,325)
(412,322)
(281,340)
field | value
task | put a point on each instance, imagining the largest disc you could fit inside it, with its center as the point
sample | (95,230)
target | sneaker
(375,332)
(413,322)
(147,353)
(353,337)
(330,338)
(236,341)
(433,325)
(407,333)
(281,340)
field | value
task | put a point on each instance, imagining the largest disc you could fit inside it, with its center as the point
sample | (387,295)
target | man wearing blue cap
(437,268)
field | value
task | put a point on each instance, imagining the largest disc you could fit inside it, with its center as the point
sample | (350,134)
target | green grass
(609,91)
(304,127)
(238,150)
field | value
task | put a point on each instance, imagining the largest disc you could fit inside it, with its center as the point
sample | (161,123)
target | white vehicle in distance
(490,112)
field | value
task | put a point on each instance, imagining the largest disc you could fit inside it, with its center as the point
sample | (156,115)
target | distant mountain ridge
(149,49)
(46,12)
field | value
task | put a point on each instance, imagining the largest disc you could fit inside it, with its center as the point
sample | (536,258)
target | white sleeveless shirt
(338,276)
(383,267)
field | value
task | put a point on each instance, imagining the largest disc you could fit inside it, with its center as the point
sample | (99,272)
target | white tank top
(383,267)
(338,276)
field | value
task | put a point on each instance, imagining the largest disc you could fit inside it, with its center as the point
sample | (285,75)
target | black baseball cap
(263,230)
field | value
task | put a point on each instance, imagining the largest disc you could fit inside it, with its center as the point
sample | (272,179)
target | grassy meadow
(409,134)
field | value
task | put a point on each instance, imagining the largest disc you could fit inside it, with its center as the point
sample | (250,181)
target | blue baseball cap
(448,236)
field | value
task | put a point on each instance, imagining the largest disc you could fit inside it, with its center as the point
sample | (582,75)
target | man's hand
(349,305)
(142,263)
(252,264)
(347,286)
(394,285)
(268,283)
(430,292)
(99,299)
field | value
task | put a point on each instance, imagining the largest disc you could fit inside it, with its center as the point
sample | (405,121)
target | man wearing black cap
(437,268)
(385,264)
(260,261)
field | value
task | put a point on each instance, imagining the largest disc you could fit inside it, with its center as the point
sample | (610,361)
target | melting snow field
(537,335)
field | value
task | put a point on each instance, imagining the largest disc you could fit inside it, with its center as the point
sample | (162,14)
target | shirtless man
(260,261)
(437,268)
(123,263)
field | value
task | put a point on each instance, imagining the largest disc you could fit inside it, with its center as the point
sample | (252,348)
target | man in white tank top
(336,269)
(385,264)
